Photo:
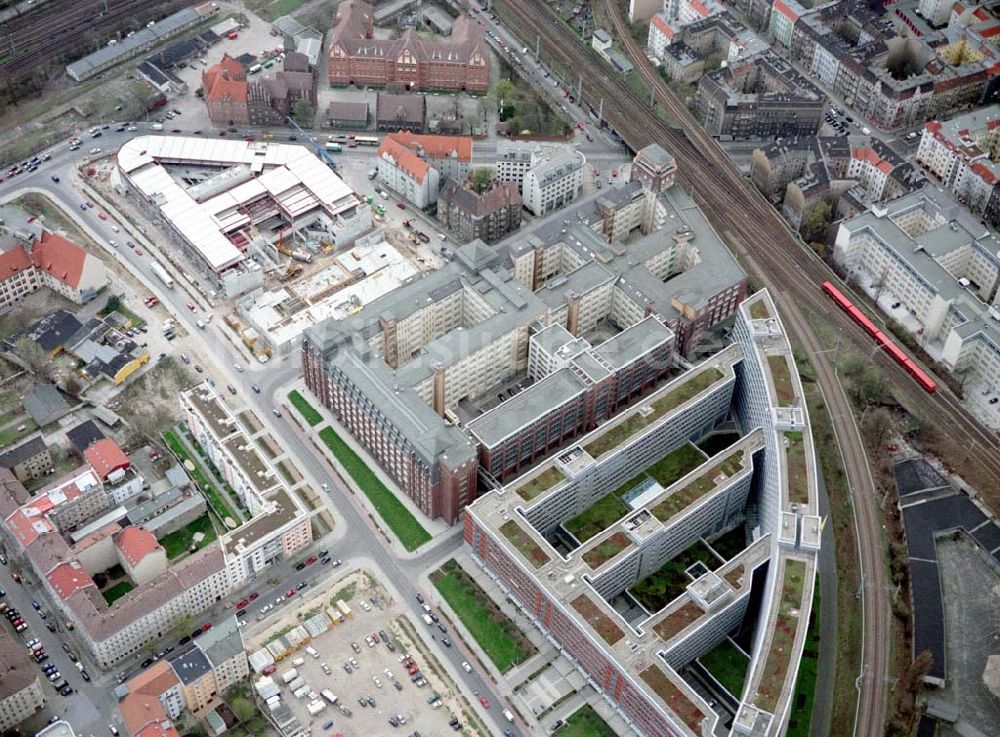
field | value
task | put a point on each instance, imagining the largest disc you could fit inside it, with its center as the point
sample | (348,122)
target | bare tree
(880,424)
(31,353)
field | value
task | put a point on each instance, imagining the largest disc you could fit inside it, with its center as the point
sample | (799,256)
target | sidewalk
(506,684)
(437,529)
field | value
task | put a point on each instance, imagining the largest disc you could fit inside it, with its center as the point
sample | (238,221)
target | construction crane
(320,149)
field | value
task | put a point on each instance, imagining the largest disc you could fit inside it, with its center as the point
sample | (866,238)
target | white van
(312,651)
(156,126)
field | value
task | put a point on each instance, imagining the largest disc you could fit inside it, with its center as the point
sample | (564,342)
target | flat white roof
(291,175)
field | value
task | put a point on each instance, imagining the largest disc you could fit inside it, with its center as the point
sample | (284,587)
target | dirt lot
(336,647)
(149,403)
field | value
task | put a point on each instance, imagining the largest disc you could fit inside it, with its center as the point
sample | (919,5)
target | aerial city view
(498,368)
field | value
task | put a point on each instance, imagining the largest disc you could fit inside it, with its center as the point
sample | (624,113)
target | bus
(335,148)
(366,140)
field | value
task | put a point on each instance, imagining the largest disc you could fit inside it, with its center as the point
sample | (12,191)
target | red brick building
(461,62)
(233,100)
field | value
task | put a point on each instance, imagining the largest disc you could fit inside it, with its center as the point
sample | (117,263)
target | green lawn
(728,665)
(596,518)
(279,8)
(660,588)
(676,464)
(636,422)
(805,684)
(392,511)
(498,637)
(308,412)
(117,591)
(10,435)
(610,508)
(177,542)
(212,494)
(586,723)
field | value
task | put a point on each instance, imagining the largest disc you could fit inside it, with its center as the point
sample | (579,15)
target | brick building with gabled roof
(232,99)
(49,260)
(414,165)
(488,216)
(461,62)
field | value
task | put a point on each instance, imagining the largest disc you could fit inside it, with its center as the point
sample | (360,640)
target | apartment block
(278,526)
(21,693)
(856,52)
(67,534)
(761,96)
(553,181)
(488,216)
(961,153)
(578,593)
(940,264)
(29,460)
(416,165)
(409,374)
(514,159)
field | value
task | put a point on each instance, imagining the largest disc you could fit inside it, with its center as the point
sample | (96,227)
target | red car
(311,559)
(190,306)
(400,205)
(242,603)
(580,126)
(138,251)
(290,594)
(253,596)
(485,702)
(102,216)
(206,627)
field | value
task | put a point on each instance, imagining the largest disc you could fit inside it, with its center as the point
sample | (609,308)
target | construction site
(304,296)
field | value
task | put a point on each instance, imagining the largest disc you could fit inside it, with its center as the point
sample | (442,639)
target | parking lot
(361,669)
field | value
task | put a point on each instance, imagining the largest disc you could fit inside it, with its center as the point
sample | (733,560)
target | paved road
(218,357)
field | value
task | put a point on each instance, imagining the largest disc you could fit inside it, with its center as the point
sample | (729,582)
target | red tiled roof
(68,578)
(135,543)
(60,257)
(13,261)
(405,159)
(871,156)
(105,456)
(785,11)
(700,8)
(661,24)
(436,147)
(226,89)
(985,174)
(26,528)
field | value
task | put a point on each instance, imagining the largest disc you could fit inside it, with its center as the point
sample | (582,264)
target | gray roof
(344,110)
(129,46)
(190,665)
(24,451)
(655,154)
(957,229)
(622,349)
(223,642)
(557,164)
(45,403)
(526,407)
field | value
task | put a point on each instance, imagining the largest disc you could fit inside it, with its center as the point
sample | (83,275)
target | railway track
(46,32)
(762,241)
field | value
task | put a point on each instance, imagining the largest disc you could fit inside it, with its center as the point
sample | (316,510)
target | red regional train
(895,352)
